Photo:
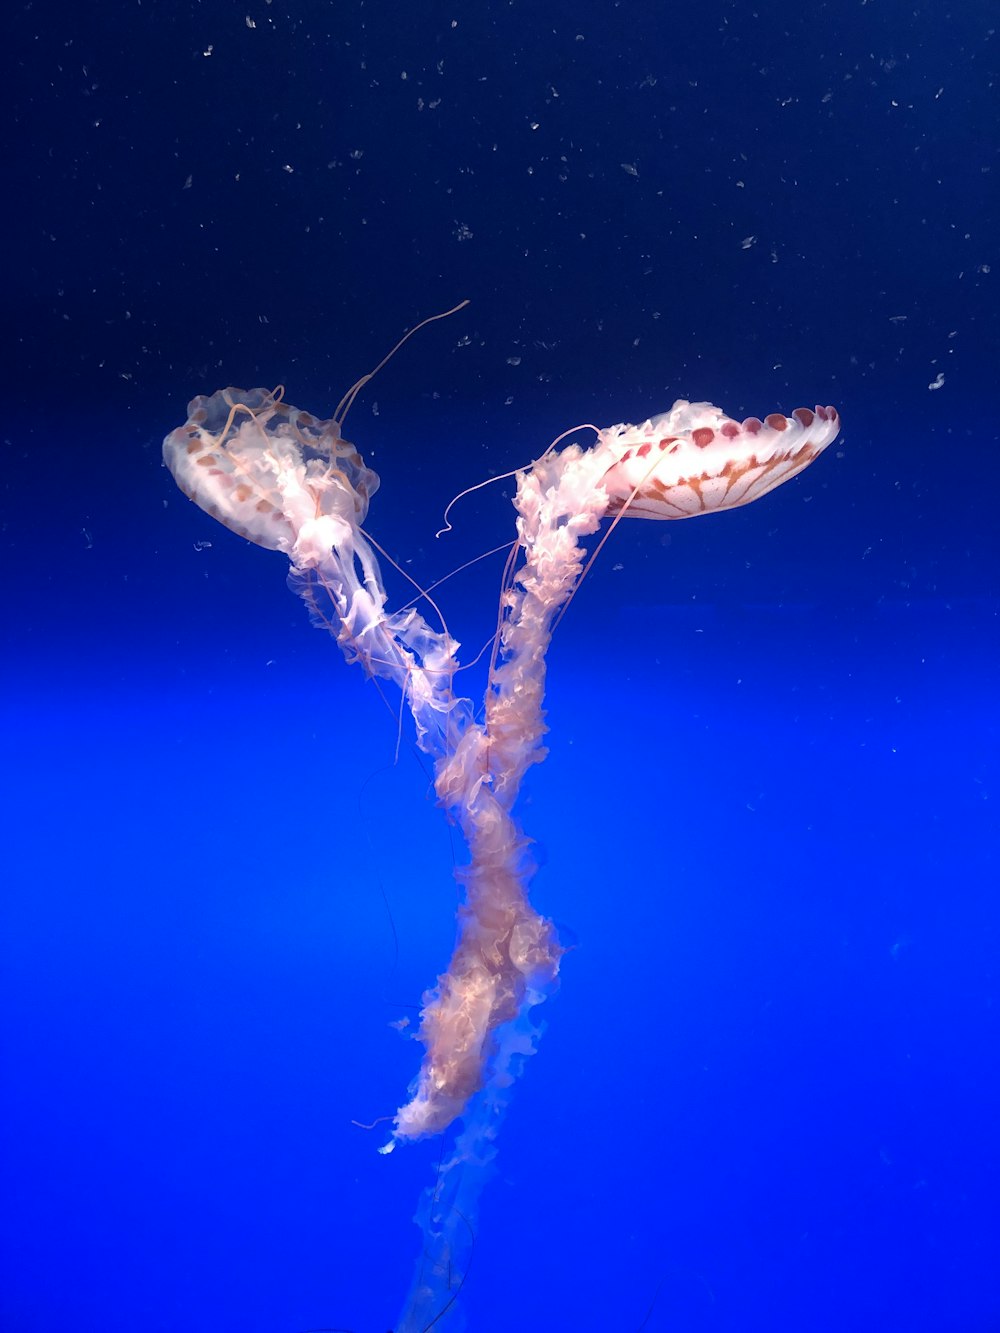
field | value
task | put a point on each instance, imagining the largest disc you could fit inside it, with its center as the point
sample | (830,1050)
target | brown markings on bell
(739,466)
(735,472)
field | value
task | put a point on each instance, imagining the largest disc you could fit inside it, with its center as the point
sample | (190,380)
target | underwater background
(767,1093)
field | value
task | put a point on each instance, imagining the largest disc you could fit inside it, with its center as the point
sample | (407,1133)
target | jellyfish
(290,482)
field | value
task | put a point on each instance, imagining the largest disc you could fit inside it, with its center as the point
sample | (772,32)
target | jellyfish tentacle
(345,404)
(448,526)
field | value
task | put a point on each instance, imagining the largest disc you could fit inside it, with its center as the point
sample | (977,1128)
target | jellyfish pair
(290,482)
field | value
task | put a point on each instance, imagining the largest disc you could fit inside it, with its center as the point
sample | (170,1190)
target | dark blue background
(767,1095)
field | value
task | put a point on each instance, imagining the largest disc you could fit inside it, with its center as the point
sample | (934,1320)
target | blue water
(767,1092)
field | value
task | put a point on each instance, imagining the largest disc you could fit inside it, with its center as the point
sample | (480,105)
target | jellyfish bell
(279,477)
(695,459)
